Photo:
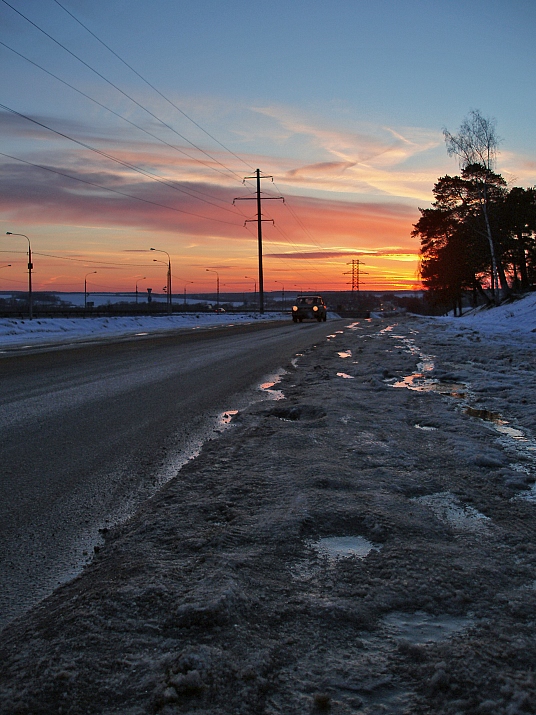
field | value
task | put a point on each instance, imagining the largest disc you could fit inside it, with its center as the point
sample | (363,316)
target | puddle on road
(295,359)
(515,438)
(422,381)
(459,517)
(426,428)
(269,384)
(340,547)
(226,418)
(421,628)
(343,354)
(345,376)
(485,415)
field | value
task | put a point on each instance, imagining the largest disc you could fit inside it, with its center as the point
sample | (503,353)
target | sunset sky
(129,124)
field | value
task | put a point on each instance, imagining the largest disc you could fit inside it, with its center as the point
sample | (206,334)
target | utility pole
(259,221)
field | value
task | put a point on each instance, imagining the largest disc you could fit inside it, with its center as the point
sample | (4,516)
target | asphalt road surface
(88,433)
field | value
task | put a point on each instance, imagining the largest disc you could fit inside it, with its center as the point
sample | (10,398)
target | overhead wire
(152,86)
(100,104)
(125,94)
(127,165)
(115,191)
(143,172)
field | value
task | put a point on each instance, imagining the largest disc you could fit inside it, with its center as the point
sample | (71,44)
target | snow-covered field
(17,332)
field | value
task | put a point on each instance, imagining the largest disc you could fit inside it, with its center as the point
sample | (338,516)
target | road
(88,433)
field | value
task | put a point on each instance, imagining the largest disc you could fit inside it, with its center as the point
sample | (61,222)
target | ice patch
(447,509)
(420,628)
(340,547)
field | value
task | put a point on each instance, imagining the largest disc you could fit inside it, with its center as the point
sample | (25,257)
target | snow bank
(16,332)
(516,317)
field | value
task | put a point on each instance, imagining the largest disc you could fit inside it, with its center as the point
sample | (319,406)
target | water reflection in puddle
(485,415)
(340,547)
(226,418)
(344,354)
(425,428)
(271,381)
(345,376)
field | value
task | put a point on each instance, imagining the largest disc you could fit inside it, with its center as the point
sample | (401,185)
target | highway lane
(87,433)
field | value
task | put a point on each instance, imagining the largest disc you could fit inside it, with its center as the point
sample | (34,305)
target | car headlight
(315,307)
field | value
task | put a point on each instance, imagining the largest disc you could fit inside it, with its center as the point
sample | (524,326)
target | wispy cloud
(372,160)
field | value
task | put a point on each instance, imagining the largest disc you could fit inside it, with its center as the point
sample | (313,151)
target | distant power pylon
(259,221)
(356,263)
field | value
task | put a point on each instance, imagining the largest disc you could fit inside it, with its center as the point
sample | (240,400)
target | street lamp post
(217,286)
(255,284)
(30,266)
(282,294)
(168,289)
(138,281)
(85,287)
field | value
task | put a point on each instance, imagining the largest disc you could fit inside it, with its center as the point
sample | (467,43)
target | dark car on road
(309,306)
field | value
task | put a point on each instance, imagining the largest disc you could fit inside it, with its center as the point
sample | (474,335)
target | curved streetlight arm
(30,266)
(168,288)
(212,270)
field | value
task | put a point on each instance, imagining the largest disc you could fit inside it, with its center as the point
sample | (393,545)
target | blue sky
(343,103)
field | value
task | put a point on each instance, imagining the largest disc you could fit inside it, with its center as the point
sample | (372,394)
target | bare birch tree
(477,143)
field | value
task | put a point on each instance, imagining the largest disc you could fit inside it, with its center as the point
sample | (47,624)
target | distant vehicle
(309,306)
(219,310)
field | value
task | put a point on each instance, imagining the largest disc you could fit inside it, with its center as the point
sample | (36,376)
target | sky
(130,125)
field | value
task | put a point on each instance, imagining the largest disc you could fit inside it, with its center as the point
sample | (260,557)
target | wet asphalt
(88,433)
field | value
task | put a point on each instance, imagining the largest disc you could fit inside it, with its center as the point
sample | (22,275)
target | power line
(125,94)
(116,191)
(143,172)
(152,86)
(116,114)
(100,263)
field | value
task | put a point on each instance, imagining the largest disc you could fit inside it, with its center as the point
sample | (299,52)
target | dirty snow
(17,332)
(218,595)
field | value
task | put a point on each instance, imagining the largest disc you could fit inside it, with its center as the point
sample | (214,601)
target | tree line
(479,235)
